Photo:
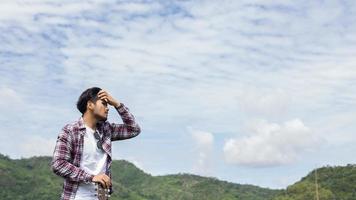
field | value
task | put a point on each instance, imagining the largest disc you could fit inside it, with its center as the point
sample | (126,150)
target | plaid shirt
(69,149)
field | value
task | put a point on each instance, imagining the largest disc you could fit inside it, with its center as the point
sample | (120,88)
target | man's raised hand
(104,95)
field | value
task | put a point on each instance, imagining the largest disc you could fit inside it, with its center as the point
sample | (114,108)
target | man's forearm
(127,117)
(117,104)
(127,130)
(66,169)
(60,164)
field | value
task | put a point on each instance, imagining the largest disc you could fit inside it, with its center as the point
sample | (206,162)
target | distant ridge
(31,178)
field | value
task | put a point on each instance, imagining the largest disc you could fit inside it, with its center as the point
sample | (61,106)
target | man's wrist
(89,178)
(118,105)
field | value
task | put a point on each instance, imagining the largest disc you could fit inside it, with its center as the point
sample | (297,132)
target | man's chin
(101,118)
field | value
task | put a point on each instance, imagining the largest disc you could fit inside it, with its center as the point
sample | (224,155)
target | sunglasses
(99,144)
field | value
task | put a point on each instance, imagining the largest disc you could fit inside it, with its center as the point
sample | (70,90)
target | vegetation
(334,183)
(32,179)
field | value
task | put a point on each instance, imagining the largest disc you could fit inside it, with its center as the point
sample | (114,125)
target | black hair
(89,94)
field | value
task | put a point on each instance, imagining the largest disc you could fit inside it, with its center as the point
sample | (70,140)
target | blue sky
(257,92)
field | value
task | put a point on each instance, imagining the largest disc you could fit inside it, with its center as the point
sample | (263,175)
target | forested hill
(334,183)
(26,179)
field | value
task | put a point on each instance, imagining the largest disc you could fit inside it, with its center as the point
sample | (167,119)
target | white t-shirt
(93,162)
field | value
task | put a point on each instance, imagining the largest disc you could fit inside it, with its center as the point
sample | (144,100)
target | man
(82,154)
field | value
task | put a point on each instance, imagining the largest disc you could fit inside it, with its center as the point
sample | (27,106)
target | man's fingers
(104,180)
(102,92)
(104,98)
(107,182)
(101,95)
(102,183)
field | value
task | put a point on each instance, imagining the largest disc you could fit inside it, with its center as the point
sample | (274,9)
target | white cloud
(204,145)
(271,144)
(203,139)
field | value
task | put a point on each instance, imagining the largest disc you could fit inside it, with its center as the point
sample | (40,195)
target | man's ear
(90,105)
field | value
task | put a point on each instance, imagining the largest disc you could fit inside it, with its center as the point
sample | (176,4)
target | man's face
(101,110)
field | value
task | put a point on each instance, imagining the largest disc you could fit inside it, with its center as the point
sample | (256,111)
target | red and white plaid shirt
(69,149)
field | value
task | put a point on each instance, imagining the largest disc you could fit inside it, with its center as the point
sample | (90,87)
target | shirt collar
(81,124)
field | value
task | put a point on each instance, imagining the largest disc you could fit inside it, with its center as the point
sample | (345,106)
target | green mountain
(334,183)
(26,179)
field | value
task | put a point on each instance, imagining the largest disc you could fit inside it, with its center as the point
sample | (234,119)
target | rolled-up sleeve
(61,163)
(128,129)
